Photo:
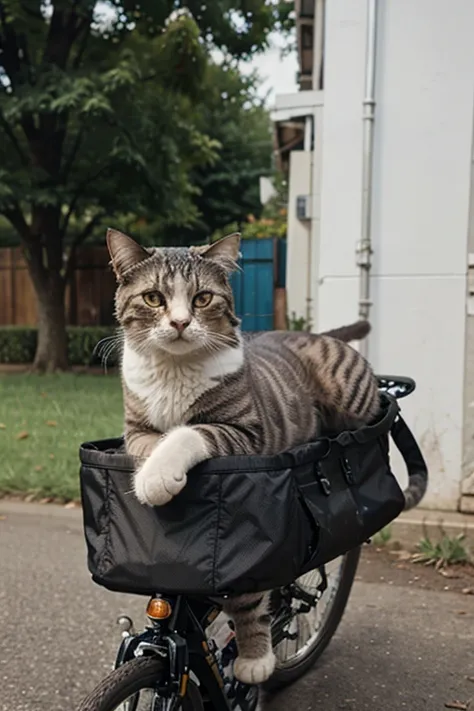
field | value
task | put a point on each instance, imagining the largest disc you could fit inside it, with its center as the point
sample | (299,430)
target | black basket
(241,524)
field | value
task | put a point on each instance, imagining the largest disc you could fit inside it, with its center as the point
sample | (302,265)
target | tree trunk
(51,351)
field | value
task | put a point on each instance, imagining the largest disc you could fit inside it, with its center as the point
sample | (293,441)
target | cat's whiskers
(221,339)
(215,345)
(106,346)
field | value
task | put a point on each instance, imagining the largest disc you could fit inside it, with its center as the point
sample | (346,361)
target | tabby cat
(194,388)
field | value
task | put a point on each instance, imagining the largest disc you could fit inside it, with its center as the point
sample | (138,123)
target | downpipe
(364,248)
(309,147)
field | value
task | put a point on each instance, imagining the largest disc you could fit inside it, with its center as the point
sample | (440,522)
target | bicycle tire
(285,676)
(129,679)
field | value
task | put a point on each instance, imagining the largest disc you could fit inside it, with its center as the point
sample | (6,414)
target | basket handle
(414,462)
(370,432)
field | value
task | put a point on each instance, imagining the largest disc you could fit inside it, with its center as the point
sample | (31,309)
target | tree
(273,219)
(225,190)
(95,122)
(233,115)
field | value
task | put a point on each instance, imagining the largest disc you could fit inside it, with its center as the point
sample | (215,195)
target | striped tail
(415,464)
(354,332)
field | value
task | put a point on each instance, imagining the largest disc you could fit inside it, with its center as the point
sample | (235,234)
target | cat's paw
(162,476)
(254,671)
(158,481)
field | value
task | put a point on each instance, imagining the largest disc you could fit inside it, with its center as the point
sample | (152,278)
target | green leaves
(117,108)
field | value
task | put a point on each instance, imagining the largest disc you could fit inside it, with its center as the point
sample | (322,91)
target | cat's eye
(203,299)
(154,299)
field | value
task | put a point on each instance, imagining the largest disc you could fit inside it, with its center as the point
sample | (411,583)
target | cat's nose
(180,324)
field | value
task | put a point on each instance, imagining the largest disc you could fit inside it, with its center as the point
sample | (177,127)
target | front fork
(165,644)
(181,654)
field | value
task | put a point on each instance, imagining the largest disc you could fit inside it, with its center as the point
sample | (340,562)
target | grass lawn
(44,419)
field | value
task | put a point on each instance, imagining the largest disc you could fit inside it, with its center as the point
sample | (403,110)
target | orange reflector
(158,609)
(184,685)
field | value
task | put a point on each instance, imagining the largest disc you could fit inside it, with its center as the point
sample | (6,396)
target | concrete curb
(410,527)
(51,510)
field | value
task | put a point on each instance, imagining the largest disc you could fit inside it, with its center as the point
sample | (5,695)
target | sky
(278,74)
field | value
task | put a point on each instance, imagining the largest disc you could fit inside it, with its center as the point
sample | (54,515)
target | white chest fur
(168,388)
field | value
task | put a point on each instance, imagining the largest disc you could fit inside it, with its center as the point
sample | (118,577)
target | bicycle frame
(180,639)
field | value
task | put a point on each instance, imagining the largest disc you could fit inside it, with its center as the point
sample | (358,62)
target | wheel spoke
(304,629)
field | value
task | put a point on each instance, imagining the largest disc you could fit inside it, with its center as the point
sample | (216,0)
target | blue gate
(263,265)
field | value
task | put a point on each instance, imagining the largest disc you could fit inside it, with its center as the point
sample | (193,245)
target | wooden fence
(259,290)
(89,296)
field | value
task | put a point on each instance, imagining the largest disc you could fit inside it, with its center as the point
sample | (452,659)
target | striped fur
(194,388)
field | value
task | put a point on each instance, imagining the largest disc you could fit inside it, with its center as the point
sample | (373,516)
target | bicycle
(184,657)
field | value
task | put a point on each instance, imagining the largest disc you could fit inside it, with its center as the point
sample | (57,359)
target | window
(307,8)
(307,37)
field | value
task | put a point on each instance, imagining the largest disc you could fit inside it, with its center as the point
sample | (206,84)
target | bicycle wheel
(310,632)
(131,687)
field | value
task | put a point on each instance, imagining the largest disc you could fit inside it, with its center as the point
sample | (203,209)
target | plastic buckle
(325,483)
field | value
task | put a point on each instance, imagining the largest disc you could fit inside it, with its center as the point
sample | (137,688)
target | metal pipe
(318,44)
(308,130)
(308,146)
(364,250)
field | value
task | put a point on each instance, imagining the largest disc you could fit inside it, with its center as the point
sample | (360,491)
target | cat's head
(176,300)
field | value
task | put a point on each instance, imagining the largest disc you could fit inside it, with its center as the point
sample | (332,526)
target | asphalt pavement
(396,648)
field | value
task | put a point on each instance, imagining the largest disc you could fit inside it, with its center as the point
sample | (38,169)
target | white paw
(158,481)
(163,474)
(254,671)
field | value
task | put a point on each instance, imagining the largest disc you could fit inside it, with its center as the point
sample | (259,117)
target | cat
(195,388)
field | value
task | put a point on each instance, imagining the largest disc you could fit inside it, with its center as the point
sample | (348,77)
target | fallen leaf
(2,518)
(448,574)
(2,426)
(46,500)
(461,612)
(456,705)
(467,591)
(51,456)
(29,498)
(22,435)
(38,468)
(470,678)
(71,505)
(51,423)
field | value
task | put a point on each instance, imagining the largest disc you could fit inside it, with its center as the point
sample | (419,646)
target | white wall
(423,135)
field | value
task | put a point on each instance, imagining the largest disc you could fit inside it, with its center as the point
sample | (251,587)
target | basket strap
(370,432)
(414,462)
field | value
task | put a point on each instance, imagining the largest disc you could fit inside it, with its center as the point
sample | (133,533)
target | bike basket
(241,524)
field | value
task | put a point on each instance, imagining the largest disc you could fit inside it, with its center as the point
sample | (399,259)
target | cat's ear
(124,252)
(225,251)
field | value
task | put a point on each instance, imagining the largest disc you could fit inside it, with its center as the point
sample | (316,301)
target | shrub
(18,344)
(86,345)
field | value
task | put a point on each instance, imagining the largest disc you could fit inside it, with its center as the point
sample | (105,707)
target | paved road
(397,647)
